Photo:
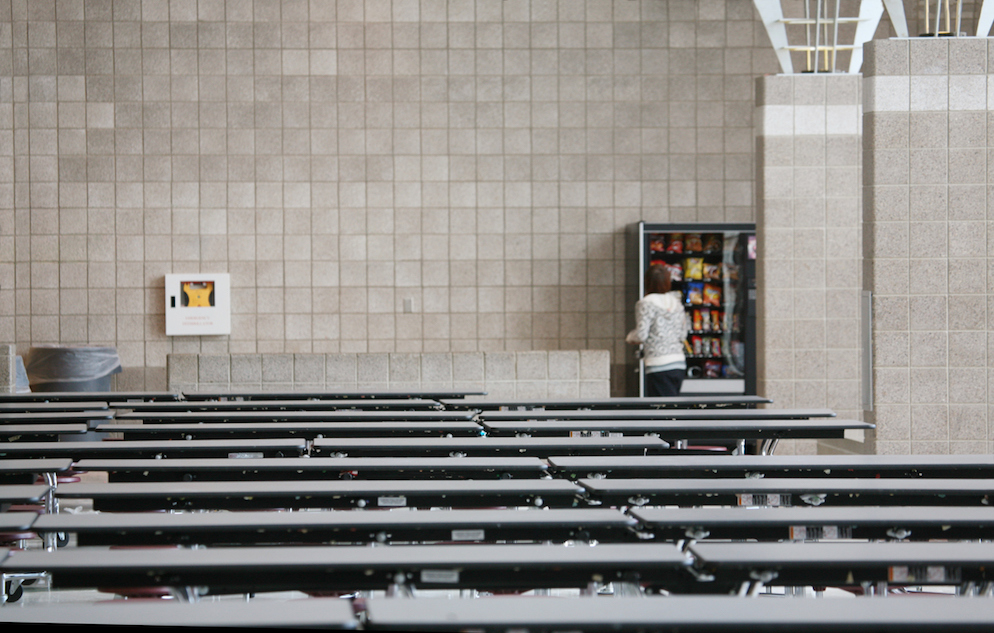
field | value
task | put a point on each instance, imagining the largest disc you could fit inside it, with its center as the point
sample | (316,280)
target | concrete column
(809,236)
(927,213)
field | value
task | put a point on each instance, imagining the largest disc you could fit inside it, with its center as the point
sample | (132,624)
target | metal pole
(835,37)
(817,32)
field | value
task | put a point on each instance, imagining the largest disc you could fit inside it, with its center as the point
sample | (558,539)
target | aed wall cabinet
(198,304)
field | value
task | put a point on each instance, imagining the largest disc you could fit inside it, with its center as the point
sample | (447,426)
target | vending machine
(714,268)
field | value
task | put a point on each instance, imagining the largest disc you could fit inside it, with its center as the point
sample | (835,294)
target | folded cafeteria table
(309,430)
(328,395)
(214,495)
(90,417)
(823,523)
(263,527)
(274,468)
(324,613)
(911,466)
(38,432)
(676,614)
(49,407)
(776,491)
(88,396)
(692,430)
(486,446)
(674,402)
(221,570)
(26,471)
(840,564)
(24,493)
(658,414)
(405,404)
(336,415)
(156,448)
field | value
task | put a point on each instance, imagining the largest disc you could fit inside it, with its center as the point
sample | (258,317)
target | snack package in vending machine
(712,295)
(695,293)
(713,243)
(712,369)
(692,243)
(694,268)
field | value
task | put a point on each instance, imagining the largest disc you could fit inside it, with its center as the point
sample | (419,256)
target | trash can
(71,368)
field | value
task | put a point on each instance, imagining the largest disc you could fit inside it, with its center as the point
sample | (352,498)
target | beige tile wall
(478,160)
(808,183)
(927,211)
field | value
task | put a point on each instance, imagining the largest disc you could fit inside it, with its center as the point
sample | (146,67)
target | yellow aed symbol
(198,294)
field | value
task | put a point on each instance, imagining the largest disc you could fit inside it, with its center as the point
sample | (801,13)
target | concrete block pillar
(927,260)
(809,238)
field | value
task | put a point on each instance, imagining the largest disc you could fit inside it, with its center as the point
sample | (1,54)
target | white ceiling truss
(818,35)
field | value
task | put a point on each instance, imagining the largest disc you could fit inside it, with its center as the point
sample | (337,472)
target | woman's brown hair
(657,280)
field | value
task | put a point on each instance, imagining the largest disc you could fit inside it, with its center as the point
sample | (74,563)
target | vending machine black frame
(639,257)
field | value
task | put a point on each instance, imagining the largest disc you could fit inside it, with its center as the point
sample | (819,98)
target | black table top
(27,471)
(404,404)
(206,430)
(672,614)
(26,493)
(332,613)
(120,496)
(35,466)
(53,417)
(338,415)
(789,491)
(802,523)
(429,394)
(685,429)
(17,521)
(778,466)
(677,402)
(42,407)
(349,568)
(322,467)
(153,448)
(85,396)
(486,446)
(833,562)
(259,520)
(658,414)
(252,527)
(13,432)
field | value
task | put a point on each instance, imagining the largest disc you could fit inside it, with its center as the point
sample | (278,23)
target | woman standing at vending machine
(661,327)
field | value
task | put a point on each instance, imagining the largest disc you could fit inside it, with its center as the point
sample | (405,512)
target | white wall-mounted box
(198,304)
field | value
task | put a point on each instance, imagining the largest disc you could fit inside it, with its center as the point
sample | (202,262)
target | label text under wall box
(467,535)
(440,576)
